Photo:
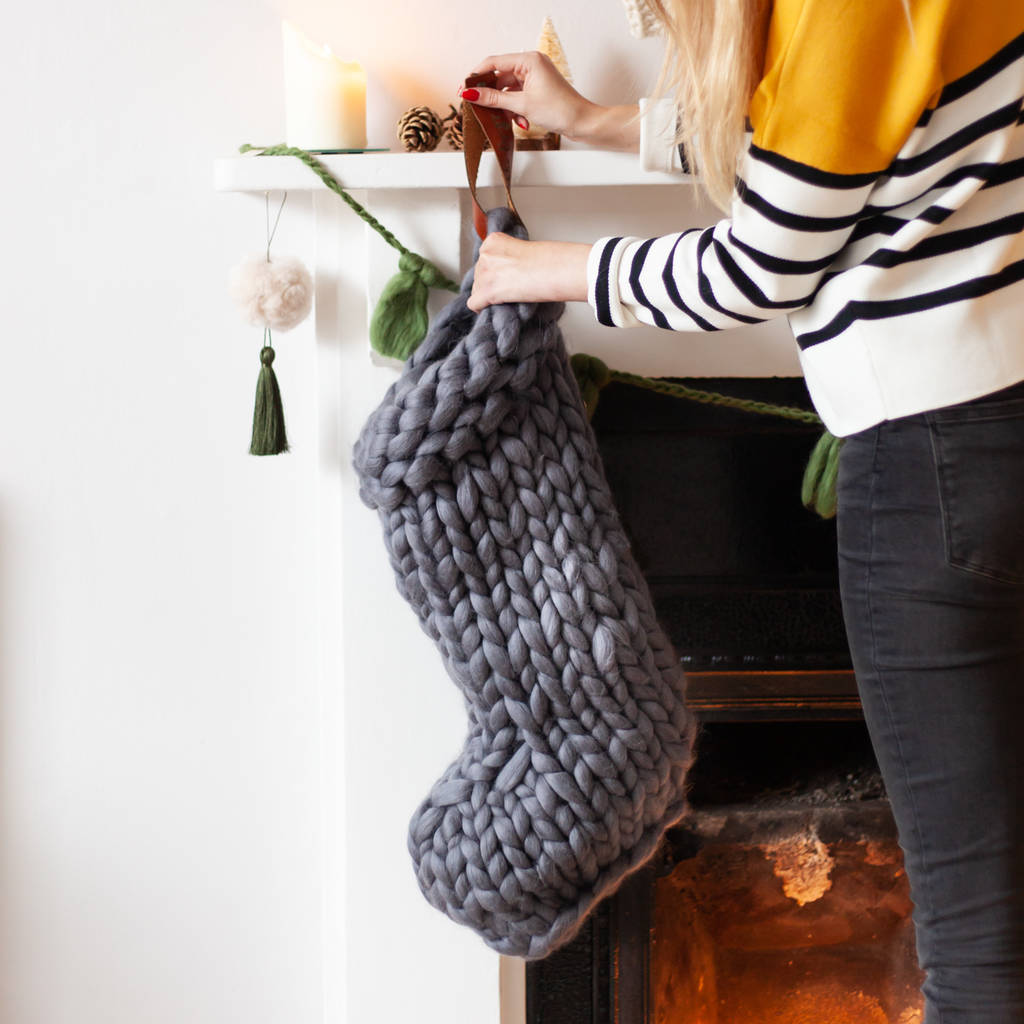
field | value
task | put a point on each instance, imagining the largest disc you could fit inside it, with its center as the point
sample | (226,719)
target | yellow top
(845,82)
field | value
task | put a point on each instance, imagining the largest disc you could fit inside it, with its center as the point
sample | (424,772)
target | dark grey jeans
(931,560)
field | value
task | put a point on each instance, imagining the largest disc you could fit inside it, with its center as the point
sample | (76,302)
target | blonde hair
(713,62)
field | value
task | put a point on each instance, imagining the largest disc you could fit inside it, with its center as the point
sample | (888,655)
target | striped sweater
(879,205)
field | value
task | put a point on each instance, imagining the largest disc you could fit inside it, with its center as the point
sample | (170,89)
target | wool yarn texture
(272,293)
(505,541)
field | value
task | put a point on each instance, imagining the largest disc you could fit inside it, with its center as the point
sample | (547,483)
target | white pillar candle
(325,98)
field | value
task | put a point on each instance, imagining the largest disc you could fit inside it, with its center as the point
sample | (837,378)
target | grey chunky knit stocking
(504,540)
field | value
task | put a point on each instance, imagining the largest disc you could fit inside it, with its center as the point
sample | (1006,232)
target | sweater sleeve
(837,102)
(658,151)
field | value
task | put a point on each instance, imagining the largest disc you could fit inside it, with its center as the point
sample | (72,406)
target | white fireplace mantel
(573,168)
(391,718)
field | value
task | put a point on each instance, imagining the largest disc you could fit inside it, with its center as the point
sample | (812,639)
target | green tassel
(592,375)
(268,436)
(400,320)
(819,487)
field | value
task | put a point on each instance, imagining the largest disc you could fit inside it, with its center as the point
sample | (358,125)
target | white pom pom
(278,294)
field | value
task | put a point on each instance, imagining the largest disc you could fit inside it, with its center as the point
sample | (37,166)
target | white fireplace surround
(391,719)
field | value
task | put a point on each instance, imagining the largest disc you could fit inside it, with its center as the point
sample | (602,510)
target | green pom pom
(820,477)
(400,320)
(592,375)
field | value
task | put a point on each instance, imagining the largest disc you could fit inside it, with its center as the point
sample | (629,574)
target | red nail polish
(470,94)
(522,122)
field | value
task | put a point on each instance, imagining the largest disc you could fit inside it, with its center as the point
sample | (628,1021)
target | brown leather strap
(480,123)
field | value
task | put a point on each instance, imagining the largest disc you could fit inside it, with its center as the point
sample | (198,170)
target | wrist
(563,271)
(615,127)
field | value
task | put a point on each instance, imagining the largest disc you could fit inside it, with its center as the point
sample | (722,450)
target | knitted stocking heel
(504,539)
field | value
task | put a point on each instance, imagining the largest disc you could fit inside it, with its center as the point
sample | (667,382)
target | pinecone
(419,130)
(453,129)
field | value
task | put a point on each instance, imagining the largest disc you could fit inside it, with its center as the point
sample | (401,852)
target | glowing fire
(820,1004)
(824,1003)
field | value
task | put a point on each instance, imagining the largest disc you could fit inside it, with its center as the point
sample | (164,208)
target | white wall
(161,846)
(158,761)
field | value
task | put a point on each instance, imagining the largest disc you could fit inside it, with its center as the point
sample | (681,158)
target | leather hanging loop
(494,126)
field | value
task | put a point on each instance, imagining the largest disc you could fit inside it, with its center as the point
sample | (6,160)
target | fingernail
(470,94)
(522,122)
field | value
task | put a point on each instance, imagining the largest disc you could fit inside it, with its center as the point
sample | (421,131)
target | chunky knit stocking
(504,540)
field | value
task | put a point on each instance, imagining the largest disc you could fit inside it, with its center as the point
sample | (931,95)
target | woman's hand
(530,86)
(512,270)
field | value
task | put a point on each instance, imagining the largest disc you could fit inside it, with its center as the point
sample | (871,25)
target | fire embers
(804,865)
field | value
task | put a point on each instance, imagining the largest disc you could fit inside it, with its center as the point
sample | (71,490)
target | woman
(871,159)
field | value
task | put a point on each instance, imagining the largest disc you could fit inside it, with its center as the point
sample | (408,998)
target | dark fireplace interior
(781,897)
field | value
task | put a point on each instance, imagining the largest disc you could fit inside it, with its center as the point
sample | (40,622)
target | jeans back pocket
(979,460)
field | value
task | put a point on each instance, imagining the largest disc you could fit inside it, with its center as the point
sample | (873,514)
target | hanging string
(277,219)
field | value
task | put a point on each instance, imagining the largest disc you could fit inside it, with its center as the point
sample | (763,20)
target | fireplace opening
(781,896)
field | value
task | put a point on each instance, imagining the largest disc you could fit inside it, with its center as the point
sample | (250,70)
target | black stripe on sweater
(886,224)
(748,288)
(778,265)
(634,282)
(811,175)
(796,221)
(951,241)
(961,139)
(601,303)
(1000,174)
(938,245)
(672,290)
(860,310)
(879,220)
(989,173)
(704,283)
(959,87)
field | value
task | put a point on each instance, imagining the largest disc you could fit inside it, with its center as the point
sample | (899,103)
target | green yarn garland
(818,492)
